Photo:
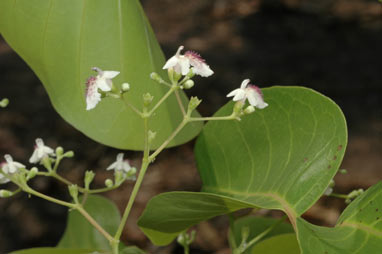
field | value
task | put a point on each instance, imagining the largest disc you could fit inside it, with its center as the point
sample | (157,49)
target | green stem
(186,119)
(180,102)
(263,234)
(142,172)
(214,118)
(186,249)
(51,199)
(339,195)
(80,189)
(95,224)
(131,106)
(169,92)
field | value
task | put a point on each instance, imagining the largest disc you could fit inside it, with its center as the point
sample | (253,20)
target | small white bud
(188,84)
(249,110)
(194,103)
(125,87)
(4,102)
(59,151)
(32,173)
(109,183)
(5,193)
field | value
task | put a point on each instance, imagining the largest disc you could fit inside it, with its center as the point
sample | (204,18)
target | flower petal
(244,83)
(240,95)
(110,74)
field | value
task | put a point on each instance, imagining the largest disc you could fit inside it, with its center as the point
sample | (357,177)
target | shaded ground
(331,46)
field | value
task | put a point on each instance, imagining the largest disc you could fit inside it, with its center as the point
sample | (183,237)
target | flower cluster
(188,64)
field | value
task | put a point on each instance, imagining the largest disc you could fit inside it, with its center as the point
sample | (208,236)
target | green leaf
(358,231)
(285,244)
(62,40)
(168,214)
(80,233)
(282,157)
(256,226)
(132,250)
(56,251)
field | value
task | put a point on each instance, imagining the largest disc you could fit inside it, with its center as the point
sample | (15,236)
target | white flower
(40,151)
(250,92)
(181,63)
(9,167)
(102,81)
(120,164)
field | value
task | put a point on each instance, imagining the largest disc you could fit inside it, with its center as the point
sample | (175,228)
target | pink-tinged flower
(9,167)
(103,82)
(40,151)
(250,92)
(182,63)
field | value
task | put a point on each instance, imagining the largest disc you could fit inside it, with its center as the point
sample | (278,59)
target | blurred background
(332,46)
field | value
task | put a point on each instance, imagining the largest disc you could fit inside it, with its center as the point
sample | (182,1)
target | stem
(142,172)
(80,189)
(263,234)
(339,195)
(169,92)
(186,119)
(186,249)
(51,199)
(95,224)
(214,118)
(131,106)
(180,102)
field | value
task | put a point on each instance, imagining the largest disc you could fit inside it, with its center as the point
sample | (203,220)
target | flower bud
(69,154)
(155,76)
(194,103)
(147,99)
(59,151)
(343,171)
(249,110)
(188,84)
(5,193)
(125,87)
(4,102)
(32,173)
(73,191)
(109,183)
(89,177)
(131,174)
(119,177)
(151,135)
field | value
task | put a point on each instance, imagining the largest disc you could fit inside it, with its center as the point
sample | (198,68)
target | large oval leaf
(168,214)
(358,231)
(281,157)
(62,40)
(80,233)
